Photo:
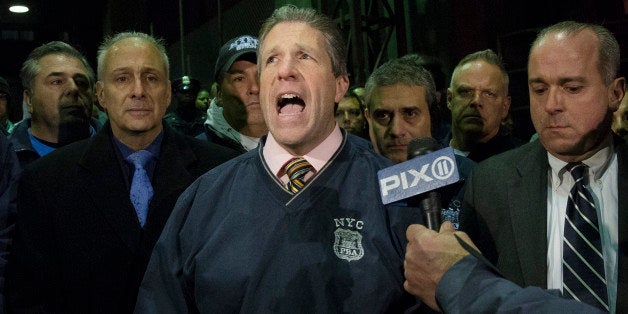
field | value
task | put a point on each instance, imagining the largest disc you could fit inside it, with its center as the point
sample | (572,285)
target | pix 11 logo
(418,175)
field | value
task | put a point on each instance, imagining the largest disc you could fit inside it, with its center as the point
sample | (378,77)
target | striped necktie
(296,168)
(583,260)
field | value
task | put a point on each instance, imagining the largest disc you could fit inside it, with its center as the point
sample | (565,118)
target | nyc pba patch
(348,244)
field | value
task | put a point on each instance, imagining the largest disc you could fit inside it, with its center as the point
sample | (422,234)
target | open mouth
(290,104)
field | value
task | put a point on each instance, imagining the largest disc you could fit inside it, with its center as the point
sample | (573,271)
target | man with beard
(59,93)
(234,117)
(479,102)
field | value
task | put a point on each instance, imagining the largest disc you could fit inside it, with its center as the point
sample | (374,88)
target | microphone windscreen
(421,146)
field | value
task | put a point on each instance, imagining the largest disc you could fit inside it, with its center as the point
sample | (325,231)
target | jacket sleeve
(30,266)
(471,286)
(9,168)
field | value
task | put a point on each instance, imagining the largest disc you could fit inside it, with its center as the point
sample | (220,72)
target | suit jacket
(78,245)
(505,214)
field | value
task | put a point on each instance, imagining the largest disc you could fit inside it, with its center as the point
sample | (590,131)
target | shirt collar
(598,163)
(276,156)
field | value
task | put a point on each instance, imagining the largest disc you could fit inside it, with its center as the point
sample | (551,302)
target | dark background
(376,30)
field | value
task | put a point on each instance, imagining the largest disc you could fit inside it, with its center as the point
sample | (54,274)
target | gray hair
(608,49)
(490,57)
(30,67)
(334,42)
(110,41)
(406,71)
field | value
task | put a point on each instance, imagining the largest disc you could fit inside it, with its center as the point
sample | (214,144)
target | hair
(488,56)
(608,48)
(432,64)
(352,92)
(30,67)
(404,71)
(110,41)
(334,43)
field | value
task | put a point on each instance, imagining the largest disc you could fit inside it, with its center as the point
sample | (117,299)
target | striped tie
(583,261)
(296,168)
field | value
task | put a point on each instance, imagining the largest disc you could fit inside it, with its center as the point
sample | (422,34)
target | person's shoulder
(361,149)
(59,161)
(512,158)
(205,149)
(229,169)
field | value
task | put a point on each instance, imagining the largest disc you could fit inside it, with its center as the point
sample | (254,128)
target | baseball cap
(233,50)
(186,83)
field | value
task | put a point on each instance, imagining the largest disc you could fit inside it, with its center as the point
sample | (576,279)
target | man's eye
(465,93)
(271,59)
(82,84)
(354,112)
(573,89)
(538,89)
(382,117)
(411,113)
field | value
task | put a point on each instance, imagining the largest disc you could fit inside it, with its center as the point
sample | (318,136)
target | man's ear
(342,85)
(100,95)
(449,97)
(26,98)
(617,92)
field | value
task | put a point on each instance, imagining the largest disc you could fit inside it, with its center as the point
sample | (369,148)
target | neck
(44,132)
(137,140)
(468,141)
(254,130)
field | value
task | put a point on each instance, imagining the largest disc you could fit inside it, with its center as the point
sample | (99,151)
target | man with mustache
(479,102)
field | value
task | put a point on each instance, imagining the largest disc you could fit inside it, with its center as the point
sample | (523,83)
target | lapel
(171,177)
(527,195)
(621,147)
(106,183)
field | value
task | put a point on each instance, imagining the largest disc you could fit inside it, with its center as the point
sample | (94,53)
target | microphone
(430,201)
(427,169)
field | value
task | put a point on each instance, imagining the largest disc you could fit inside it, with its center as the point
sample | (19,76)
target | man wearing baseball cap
(184,116)
(234,117)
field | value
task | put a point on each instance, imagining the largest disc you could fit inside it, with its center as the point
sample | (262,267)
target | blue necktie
(141,189)
(583,260)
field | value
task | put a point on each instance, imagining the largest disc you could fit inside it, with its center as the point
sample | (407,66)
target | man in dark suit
(516,203)
(80,246)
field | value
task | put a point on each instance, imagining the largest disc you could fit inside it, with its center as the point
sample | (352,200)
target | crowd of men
(266,198)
